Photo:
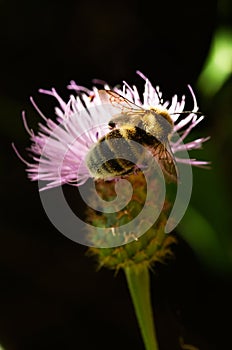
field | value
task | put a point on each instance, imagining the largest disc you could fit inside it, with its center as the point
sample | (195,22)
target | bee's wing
(124,111)
(118,101)
(165,158)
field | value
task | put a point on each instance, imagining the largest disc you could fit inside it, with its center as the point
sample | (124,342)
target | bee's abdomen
(115,154)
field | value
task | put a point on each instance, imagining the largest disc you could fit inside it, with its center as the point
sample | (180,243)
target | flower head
(60,147)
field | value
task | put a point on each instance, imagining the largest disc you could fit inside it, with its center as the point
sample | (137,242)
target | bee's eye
(112,124)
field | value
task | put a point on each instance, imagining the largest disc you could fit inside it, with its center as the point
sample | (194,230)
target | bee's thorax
(157,124)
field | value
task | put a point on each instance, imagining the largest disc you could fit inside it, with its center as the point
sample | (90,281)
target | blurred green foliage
(218,65)
(207,229)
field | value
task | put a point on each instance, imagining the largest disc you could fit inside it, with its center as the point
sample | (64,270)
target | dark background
(51,296)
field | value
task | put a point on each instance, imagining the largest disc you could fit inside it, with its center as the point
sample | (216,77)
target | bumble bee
(133,125)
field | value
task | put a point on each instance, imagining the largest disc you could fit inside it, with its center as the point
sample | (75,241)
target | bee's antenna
(186,112)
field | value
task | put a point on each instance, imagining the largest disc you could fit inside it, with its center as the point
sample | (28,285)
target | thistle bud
(154,245)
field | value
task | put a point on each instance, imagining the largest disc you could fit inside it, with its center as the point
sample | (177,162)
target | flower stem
(138,281)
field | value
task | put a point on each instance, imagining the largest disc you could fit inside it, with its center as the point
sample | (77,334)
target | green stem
(138,281)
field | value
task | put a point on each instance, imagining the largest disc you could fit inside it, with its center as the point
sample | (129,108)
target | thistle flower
(80,123)
(59,151)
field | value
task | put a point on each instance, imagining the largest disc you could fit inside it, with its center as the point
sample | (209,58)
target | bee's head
(162,112)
